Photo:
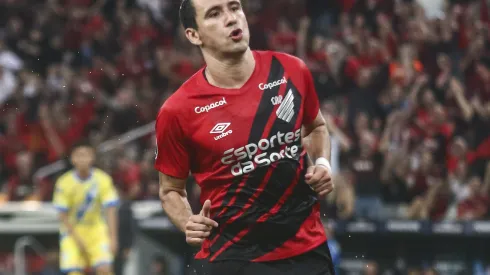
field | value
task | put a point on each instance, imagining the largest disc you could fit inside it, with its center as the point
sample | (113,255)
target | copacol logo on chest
(273,84)
(209,107)
(245,159)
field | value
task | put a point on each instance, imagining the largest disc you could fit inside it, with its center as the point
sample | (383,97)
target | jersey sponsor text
(209,107)
(271,85)
(246,159)
(224,134)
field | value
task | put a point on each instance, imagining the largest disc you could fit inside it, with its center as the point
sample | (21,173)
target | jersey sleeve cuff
(111,203)
(311,117)
(172,172)
(61,208)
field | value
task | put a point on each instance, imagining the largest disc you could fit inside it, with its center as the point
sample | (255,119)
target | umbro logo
(286,109)
(221,128)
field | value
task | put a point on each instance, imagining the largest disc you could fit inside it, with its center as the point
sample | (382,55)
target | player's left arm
(319,174)
(316,139)
(111,213)
(110,202)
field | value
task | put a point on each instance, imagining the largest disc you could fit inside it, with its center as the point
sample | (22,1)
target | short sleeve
(172,157)
(109,193)
(311,104)
(60,197)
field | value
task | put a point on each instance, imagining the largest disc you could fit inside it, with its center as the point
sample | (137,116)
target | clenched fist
(199,227)
(319,179)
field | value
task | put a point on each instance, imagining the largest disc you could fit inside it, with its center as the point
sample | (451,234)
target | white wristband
(324,162)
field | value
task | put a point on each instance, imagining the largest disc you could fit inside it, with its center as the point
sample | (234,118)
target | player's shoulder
(179,100)
(65,178)
(284,58)
(101,174)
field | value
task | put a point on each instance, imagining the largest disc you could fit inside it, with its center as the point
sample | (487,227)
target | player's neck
(84,174)
(229,73)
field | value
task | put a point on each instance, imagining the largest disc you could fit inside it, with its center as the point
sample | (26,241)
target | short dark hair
(485,62)
(187,14)
(81,143)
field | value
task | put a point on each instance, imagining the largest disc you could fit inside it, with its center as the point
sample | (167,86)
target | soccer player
(86,239)
(238,125)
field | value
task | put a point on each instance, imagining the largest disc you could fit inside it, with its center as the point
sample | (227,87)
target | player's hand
(114,247)
(126,253)
(82,248)
(319,179)
(199,227)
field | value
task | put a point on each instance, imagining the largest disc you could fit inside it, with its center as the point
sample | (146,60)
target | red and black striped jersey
(244,148)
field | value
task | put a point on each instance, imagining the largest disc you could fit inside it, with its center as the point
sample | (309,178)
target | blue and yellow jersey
(85,199)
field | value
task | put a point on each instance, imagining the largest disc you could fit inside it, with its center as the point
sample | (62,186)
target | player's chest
(85,193)
(253,117)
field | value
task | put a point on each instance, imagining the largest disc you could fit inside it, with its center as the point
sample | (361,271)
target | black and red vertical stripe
(266,208)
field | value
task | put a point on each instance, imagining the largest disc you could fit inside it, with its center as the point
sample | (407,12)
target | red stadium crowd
(405,91)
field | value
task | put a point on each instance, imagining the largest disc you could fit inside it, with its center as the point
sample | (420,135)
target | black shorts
(315,262)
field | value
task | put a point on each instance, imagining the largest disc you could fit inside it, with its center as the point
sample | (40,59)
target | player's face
(83,158)
(222,26)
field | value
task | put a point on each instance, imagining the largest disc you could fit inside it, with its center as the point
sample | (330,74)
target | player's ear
(193,36)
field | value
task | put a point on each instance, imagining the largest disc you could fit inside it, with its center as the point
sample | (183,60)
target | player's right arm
(174,200)
(172,161)
(61,202)
(70,230)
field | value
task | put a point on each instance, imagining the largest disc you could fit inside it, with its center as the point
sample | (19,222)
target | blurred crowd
(406,96)
(404,86)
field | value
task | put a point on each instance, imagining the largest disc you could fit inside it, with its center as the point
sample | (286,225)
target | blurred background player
(86,239)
